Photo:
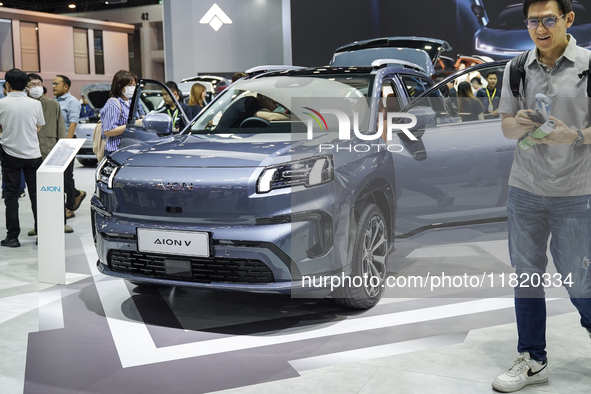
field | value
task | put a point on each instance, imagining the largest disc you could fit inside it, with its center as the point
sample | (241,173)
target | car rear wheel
(369,264)
(88,162)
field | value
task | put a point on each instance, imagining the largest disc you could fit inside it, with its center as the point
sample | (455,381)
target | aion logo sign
(51,189)
(215,18)
(344,123)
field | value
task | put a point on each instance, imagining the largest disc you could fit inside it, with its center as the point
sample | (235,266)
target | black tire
(88,162)
(370,258)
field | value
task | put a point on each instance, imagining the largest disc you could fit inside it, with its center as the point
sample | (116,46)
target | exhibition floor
(103,335)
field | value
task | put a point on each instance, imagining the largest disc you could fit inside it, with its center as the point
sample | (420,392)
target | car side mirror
(426,119)
(160,124)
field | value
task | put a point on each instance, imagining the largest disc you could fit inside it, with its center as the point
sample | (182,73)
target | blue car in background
(499,31)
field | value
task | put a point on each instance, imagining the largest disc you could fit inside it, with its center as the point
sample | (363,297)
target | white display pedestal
(50,210)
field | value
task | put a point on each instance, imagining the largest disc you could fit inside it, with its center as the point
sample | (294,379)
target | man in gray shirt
(71,113)
(54,128)
(21,119)
(549,185)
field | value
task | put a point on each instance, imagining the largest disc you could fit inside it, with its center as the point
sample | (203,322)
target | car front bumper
(270,256)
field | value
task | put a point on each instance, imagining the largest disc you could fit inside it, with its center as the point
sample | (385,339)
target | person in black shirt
(170,108)
(469,107)
(490,96)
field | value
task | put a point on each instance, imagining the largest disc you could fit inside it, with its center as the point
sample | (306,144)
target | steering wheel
(254,121)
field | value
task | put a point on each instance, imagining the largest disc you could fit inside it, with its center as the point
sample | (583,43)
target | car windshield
(273,104)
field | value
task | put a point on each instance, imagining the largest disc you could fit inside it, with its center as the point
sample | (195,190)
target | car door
(455,172)
(148,96)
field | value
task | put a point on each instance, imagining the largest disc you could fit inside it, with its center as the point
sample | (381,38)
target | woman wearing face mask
(116,110)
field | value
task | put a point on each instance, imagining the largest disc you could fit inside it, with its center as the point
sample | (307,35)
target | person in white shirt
(21,118)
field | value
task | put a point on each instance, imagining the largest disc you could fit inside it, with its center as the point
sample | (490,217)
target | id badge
(490,108)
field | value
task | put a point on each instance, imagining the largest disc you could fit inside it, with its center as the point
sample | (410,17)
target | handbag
(99,141)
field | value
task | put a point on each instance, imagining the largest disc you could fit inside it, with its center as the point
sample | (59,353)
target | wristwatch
(580,140)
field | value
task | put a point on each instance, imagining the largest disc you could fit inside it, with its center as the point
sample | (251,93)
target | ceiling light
(72,6)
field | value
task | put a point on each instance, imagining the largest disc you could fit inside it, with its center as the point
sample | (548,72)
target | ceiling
(61,6)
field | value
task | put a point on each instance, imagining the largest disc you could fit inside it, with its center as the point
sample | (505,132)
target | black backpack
(517,74)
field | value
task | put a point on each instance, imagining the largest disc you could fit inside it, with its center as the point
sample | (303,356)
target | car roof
(270,67)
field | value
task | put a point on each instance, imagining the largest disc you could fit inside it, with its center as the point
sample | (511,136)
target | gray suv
(272,189)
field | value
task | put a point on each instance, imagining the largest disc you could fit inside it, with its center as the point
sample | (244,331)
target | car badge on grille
(174,186)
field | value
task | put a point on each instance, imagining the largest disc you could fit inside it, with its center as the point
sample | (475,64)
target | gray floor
(103,335)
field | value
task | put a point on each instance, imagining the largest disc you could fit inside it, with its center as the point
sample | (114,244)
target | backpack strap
(587,72)
(118,117)
(517,73)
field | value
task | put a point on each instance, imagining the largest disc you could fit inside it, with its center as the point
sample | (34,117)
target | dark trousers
(11,173)
(23,183)
(70,186)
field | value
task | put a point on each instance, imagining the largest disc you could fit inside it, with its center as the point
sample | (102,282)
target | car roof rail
(380,63)
(198,78)
(265,68)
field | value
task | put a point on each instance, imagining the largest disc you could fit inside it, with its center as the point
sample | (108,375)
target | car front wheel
(369,264)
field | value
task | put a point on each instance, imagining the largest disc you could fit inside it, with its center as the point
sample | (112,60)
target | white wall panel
(255,36)
(116,52)
(56,45)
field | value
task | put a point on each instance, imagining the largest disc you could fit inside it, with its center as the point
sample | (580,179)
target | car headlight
(483,47)
(307,172)
(106,171)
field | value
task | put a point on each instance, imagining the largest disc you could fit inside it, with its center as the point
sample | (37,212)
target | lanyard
(173,116)
(493,96)
(490,104)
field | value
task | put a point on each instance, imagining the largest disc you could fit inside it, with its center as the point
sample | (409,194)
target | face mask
(36,92)
(128,91)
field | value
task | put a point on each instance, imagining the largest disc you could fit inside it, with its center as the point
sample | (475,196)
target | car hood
(96,94)
(219,151)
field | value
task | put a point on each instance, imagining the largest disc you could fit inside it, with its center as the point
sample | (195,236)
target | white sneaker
(524,371)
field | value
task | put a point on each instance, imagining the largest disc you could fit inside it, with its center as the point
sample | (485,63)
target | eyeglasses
(56,83)
(35,85)
(547,21)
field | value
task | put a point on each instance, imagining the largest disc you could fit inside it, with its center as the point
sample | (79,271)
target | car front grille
(203,270)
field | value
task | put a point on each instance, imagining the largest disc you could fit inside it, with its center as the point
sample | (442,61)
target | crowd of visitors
(31,124)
